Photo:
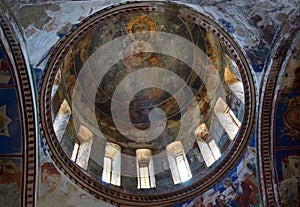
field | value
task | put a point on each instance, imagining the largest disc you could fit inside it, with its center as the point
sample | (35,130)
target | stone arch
(276,66)
(25,103)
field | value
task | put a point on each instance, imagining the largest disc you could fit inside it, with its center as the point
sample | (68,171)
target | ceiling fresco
(10,137)
(254,30)
(17,121)
(147,99)
(282,136)
(201,110)
(249,50)
(286,131)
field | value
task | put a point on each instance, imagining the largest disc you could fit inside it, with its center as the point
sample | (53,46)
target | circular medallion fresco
(147,102)
(292,118)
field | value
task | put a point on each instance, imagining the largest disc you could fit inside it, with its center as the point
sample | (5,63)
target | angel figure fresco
(51,179)
(10,183)
(243,193)
(9,173)
(82,48)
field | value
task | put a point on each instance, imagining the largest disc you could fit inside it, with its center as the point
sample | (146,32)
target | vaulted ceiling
(248,59)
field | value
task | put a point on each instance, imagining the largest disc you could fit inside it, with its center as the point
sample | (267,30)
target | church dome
(146,102)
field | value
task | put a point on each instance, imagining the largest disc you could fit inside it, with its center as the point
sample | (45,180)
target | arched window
(208,147)
(179,165)
(62,119)
(145,169)
(112,164)
(82,147)
(117,99)
(232,79)
(57,82)
(227,118)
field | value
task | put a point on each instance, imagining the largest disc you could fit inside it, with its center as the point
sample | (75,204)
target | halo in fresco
(145,104)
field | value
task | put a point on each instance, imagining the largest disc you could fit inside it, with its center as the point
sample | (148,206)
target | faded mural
(254,31)
(10,181)
(240,188)
(216,63)
(10,137)
(56,190)
(287,130)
